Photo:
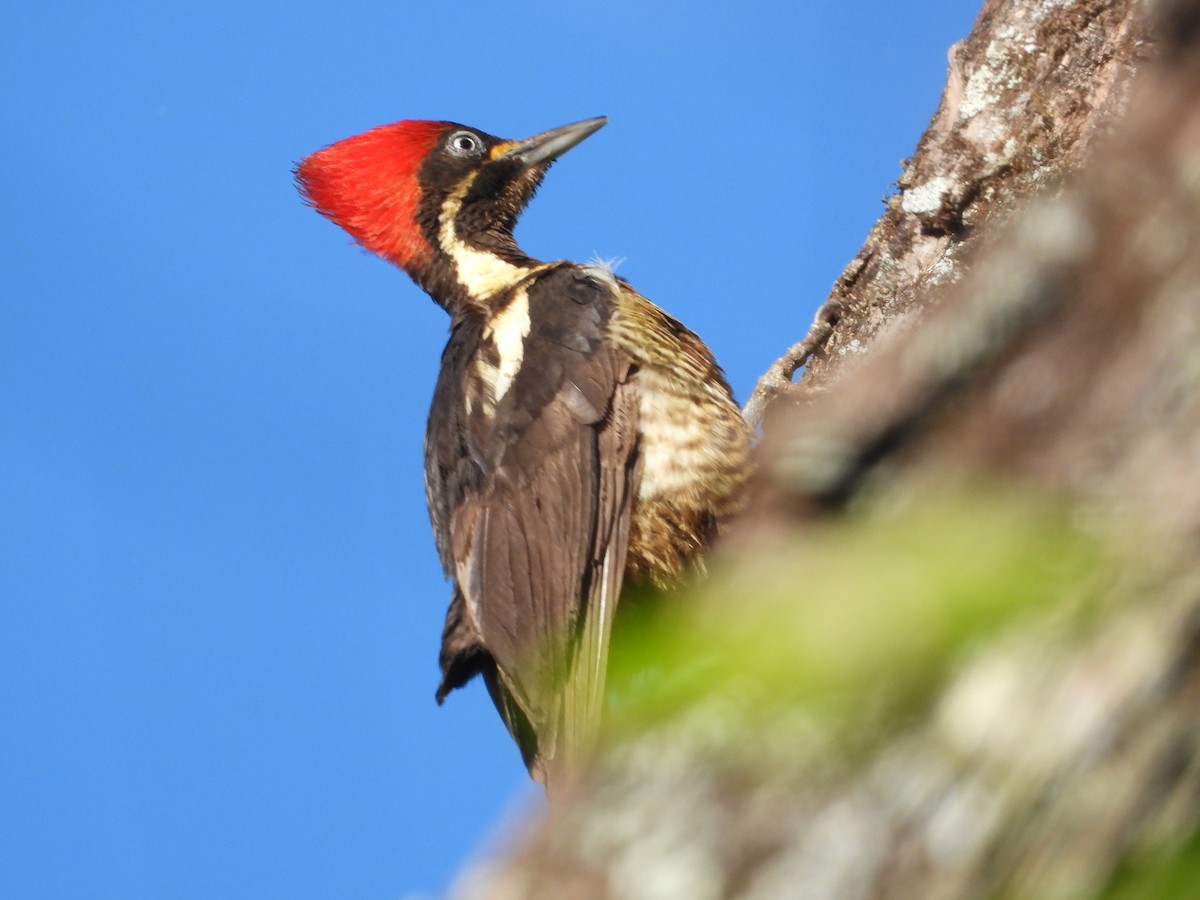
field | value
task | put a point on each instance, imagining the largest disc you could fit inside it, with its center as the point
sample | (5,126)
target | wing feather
(532,505)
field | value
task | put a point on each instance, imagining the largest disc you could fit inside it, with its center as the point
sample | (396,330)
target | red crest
(368,185)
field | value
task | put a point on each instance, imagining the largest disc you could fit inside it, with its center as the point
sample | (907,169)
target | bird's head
(438,199)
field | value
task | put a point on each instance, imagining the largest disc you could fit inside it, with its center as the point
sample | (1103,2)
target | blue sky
(219,599)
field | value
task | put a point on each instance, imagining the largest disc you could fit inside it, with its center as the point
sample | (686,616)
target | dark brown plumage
(578,435)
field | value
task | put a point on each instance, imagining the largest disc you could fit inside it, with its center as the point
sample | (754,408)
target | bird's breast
(694,445)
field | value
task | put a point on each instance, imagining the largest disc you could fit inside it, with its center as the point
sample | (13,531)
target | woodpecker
(579,438)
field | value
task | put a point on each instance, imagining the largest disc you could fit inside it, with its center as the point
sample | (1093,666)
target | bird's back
(578,435)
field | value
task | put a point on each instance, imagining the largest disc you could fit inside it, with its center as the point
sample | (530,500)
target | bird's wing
(533,504)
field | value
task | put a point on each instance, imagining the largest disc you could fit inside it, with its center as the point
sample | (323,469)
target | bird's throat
(482,271)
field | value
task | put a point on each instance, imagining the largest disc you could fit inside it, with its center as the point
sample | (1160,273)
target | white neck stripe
(483,274)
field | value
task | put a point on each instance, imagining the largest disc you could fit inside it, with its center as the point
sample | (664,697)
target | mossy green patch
(853,622)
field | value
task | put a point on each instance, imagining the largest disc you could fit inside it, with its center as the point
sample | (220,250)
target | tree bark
(953,649)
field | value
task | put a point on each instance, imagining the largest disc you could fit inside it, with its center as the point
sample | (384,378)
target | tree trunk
(953,649)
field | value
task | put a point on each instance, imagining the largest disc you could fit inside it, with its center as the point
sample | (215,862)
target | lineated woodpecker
(579,436)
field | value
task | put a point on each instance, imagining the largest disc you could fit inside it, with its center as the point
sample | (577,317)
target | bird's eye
(463,143)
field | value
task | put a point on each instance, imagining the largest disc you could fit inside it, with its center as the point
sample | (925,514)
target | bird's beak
(549,145)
